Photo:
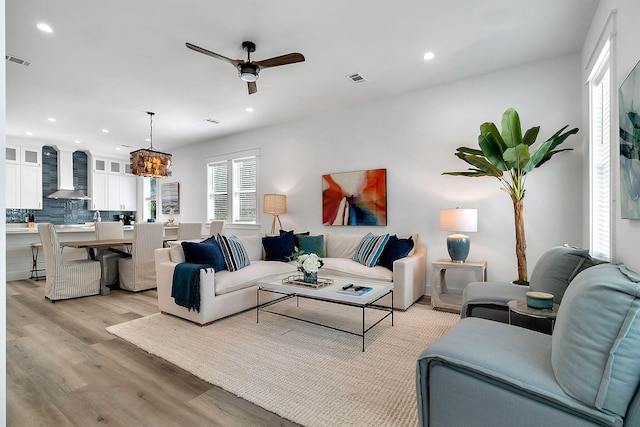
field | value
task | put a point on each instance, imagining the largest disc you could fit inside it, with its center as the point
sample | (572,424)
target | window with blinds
(233,190)
(245,199)
(600,158)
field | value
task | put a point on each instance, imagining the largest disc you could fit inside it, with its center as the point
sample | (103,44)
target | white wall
(414,137)
(626,54)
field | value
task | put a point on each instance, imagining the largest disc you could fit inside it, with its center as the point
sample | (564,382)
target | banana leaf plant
(510,157)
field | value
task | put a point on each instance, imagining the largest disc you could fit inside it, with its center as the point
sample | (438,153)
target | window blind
(600,145)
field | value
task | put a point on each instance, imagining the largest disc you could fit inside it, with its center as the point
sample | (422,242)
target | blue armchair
(485,373)
(553,272)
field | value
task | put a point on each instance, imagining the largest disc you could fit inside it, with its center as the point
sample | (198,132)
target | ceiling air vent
(17,60)
(357,78)
(215,122)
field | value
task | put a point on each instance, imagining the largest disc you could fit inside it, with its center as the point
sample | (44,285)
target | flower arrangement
(309,264)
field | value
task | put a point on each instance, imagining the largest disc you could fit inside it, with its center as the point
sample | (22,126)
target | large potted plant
(509,157)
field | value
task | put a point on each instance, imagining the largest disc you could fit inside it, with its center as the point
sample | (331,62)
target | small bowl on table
(539,300)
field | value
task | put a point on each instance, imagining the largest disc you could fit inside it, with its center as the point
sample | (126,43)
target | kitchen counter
(60,228)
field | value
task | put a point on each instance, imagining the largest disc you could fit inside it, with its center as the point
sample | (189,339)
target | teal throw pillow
(311,244)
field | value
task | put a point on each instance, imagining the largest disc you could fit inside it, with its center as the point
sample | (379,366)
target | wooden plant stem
(521,242)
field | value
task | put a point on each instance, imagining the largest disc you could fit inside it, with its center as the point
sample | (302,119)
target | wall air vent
(356,78)
(214,122)
(17,60)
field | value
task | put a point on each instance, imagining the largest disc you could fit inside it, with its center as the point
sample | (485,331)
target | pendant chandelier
(150,162)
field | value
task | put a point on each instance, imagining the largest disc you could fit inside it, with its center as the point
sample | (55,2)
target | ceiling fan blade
(253,88)
(234,62)
(290,58)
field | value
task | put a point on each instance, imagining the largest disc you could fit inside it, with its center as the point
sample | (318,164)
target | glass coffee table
(520,306)
(329,293)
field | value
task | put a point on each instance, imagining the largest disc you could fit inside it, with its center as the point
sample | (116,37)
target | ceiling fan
(248,70)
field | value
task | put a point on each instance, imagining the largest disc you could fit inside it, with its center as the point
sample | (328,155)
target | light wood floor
(64,369)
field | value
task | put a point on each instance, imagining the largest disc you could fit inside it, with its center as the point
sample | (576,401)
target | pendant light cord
(151,127)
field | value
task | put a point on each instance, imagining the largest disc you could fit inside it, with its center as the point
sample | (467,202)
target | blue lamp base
(458,246)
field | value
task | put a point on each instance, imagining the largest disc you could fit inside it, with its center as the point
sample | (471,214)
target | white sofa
(225,293)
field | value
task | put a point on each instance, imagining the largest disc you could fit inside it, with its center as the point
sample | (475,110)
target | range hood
(66,190)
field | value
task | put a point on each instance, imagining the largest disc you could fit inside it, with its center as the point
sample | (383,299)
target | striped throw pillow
(370,248)
(234,254)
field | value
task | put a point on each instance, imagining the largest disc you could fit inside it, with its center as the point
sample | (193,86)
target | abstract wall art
(629,118)
(355,198)
(170,195)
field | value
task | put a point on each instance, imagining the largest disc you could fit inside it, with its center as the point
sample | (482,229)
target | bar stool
(35,249)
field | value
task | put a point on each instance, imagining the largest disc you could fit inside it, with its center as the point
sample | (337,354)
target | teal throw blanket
(185,289)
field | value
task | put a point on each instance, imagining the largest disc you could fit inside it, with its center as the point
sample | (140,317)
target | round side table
(520,306)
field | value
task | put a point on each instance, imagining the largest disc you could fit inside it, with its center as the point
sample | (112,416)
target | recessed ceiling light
(105,130)
(148,139)
(51,119)
(249,110)
(44,27)
(28,133)
(428,56)
(77,142)
(118,148)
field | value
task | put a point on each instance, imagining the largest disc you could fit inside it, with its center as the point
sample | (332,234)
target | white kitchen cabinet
(12,154)
(23,177)
(99,192)
(12,181)
(30,156)
(31,187)
(99,165)
(122,192)
(112,187)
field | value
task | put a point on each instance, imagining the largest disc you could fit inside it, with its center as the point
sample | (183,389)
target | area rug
(308,374)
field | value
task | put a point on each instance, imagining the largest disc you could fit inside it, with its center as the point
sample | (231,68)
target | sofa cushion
(278,248)
(176,252)
(395,249)
(370,249)
(341,245)
(311,244)
(556,268)
(252,245)
(350,268)
(596,338)
(208,253)
(235,255)
(226,281)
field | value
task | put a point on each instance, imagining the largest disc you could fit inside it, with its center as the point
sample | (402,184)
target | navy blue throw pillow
(207,253)
(278,248)
(395,249)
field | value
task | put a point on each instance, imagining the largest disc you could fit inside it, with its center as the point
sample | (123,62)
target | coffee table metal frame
(329,295)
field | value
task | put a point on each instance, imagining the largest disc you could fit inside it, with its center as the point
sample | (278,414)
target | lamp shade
(274,204)
(458,220)
(463,220)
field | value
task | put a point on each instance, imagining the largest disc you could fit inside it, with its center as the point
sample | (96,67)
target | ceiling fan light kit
(247,70)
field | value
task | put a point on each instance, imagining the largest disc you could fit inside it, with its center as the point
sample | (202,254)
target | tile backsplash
(61,211)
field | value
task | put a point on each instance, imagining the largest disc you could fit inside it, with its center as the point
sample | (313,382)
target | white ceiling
(108,62)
